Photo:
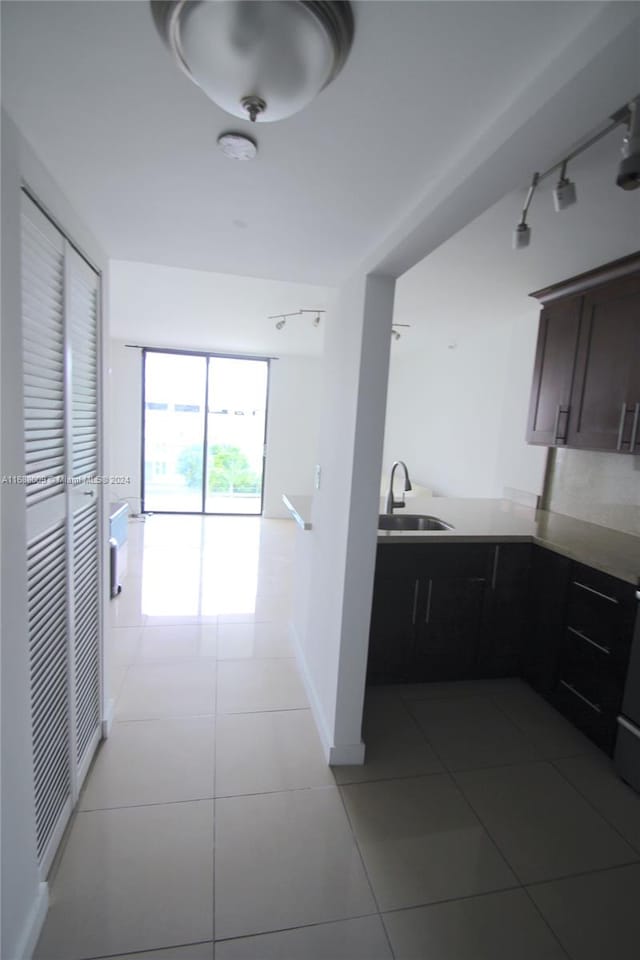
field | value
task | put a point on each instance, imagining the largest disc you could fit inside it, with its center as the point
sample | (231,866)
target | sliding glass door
(236,427)
(204,433)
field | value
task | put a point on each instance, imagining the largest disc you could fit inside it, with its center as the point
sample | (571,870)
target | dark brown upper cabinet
(586,380)
(553,373)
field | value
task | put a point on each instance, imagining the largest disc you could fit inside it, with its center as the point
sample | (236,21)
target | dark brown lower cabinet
(506,611)
(594,652)
(392,633)
(548,586)
(447,611)
(459,611)
(447,638)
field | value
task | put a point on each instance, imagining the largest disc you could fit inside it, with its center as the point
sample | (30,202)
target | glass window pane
(237,411)
(174,416)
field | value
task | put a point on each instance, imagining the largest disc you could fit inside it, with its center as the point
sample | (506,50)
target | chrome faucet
(391,501)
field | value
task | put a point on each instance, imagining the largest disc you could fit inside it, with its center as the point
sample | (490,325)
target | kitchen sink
(411,521)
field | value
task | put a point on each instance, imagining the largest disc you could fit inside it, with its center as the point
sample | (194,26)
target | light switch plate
(318,474)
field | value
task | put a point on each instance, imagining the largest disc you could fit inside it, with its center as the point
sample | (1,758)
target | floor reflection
(200,566)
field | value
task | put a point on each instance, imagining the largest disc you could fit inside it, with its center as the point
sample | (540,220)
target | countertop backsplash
(602,488)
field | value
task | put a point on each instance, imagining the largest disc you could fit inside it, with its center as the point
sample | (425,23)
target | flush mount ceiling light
(258,59)
(282,318)
(564,194)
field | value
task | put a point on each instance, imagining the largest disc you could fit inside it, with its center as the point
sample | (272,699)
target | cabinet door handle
(623,417)
(561,409)
(587,639)
(580,696)
(496,560)
(415,603)
(634,428)
(427,615)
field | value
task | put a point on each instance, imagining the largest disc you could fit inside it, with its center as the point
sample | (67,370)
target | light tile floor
(483,826)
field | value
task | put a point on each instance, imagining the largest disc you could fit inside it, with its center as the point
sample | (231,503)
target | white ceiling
(132,141)
(192,309)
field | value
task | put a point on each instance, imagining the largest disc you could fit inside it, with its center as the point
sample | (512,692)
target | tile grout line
(582,873)
(592,805)
(145,951)
(451,774)
(300,926)
(548,925)
(364,868)
(524,886)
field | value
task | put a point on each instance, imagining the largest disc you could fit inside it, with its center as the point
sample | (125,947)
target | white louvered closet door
(60,302)
(83,297)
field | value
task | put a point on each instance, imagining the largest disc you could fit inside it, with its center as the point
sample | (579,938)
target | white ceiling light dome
(258,59)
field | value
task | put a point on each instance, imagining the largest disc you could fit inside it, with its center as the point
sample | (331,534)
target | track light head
(280,324)
(395,334)
(521,236)
(564,195)
(629,170)
(316,320)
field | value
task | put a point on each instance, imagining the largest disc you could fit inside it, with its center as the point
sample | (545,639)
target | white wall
(124,421)
(340,555)
(170,307)
(295,397)
(292,426)
(460,377)
(24,899)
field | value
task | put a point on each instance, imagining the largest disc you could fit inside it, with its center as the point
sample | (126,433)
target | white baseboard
(343,754)
(347,754)
(107,720)
(33,926)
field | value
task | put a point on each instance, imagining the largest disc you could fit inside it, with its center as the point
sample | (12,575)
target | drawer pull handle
(604,596)
(580,696)
(415,602)
(587,639)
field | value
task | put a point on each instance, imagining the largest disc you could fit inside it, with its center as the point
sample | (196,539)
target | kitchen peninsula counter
(478,520)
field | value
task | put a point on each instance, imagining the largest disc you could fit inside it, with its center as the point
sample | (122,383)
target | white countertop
(610,551)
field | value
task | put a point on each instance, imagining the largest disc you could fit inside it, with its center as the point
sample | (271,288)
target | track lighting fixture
(522,232)
(629,171)
(282,318)
(395,332)
(564,194)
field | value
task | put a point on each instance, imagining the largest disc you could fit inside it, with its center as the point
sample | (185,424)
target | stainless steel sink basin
(411,521)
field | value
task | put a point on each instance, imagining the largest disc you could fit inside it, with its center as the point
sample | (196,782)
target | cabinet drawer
(592,618)
(601,611)
(609,591)
(598,725)
(586,667)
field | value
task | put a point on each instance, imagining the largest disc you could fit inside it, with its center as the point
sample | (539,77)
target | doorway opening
(203,432)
